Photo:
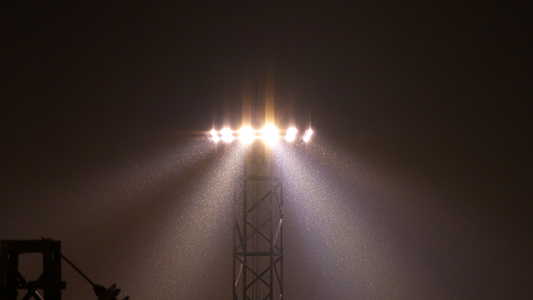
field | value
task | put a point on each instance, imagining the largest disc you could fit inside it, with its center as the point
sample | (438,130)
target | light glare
(214,136)
(291,134)
(246,134)
(307,135)
(227,135)
(269,134)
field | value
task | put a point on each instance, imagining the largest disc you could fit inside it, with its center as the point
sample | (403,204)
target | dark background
(436,96)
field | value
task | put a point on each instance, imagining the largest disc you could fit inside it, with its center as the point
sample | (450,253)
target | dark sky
(436,96)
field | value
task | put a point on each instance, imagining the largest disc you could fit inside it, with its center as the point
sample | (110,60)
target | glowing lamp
(307,135)
(227,135)
(214,136)
(246,135)
(269,134)
(290,136)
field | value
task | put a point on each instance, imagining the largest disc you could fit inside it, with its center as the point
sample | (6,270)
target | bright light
(246,134)
(307,135)
(291,134)
(227,135)
(214,136)
(269,134)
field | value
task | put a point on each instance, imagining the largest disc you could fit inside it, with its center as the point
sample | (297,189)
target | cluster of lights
(270,135)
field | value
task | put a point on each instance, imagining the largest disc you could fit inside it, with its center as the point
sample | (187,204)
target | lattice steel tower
(258,211)
(258,229)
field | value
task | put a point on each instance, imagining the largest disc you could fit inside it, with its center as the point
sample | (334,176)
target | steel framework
(258,229)
(12,280)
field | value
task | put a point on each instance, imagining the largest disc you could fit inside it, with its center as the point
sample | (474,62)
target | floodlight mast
(258,212)
(258,229)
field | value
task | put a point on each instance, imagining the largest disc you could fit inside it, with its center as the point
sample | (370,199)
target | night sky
(421,114)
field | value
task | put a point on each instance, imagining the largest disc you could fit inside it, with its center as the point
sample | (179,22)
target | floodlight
(214,136)
(290,136)
(307,135)
(227,135)
(246,135)
(269,134)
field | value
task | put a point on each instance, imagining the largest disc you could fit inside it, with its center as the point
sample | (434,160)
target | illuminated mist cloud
(345,254)
(364,175)
(403,211)
(108,205)
(119,190)
(193,240)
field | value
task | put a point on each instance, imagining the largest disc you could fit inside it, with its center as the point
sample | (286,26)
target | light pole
(258,212)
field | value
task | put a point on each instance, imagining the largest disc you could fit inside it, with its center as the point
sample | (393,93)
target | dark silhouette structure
(12,280)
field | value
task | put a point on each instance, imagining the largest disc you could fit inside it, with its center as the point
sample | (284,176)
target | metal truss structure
(12,280)
(49,284)
(258,230)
